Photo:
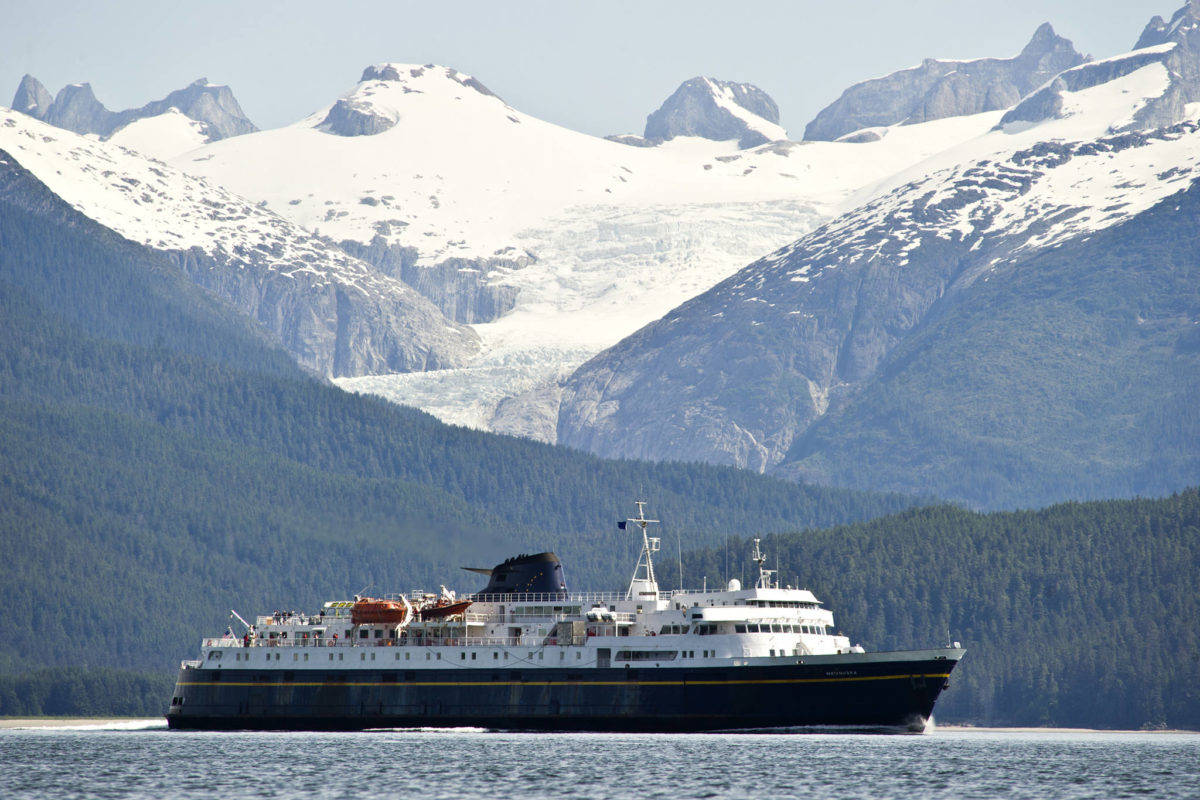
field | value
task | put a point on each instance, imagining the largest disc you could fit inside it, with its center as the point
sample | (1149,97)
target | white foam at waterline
(465,729)
(157,723)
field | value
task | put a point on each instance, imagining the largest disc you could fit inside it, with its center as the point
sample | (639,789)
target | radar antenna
(643,586)
(766,577)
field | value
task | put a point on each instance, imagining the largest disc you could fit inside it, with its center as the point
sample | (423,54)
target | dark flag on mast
(621,524)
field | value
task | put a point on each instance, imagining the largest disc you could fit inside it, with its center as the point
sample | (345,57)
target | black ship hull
(894,694)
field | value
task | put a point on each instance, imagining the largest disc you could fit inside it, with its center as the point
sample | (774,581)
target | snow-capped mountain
(335,313)
(1174,48)
(941,88)
(551,243)
(163,136)
(199,113)
(817,361)
(712,109)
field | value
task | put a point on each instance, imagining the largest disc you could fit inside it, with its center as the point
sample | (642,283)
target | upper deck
(643,624)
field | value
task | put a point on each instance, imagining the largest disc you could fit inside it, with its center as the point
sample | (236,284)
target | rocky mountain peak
(938,88)
(717,110)
(76,108)
(371,109)
(1182,23)
(32,98)
(1171,47)
(382,72)
(1044,39)
(211,104)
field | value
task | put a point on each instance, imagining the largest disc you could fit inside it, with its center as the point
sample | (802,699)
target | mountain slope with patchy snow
(332,311)
(552,244)
(742,374)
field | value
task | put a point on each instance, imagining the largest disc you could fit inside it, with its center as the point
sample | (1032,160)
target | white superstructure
(643,625)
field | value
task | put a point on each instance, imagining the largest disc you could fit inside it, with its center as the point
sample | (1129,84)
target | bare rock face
(707,108)
(938,89)
(32,98)
(76,108)
(460,287)
(336,329)
(350,117)
(631,139)
(213,105)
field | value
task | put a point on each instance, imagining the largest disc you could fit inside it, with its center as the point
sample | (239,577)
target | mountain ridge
(550,244)
(942,88)
(332,311)
(741,374)
(76,109)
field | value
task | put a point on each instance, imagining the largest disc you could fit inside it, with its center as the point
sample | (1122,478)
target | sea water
(116,762)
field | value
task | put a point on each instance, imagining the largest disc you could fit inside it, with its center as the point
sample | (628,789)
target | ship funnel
(541,573)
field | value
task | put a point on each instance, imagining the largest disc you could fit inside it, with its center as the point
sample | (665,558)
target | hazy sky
(598,67)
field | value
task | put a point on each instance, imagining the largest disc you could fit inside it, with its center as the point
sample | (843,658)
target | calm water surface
(60,764)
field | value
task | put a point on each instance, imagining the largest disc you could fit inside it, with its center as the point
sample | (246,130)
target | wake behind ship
(525,654)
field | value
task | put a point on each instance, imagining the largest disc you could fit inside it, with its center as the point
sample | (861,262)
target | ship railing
(416,639)
(458,641)
(557,598)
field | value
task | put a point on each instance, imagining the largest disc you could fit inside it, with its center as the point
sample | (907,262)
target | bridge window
(739,628)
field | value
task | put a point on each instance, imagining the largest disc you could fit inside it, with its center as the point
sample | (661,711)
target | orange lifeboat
(444,608)
(368,610)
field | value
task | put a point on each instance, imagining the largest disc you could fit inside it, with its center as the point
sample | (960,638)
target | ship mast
(765,576)
(643,586)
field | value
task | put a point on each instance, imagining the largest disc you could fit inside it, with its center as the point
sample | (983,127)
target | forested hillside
(1083,614)
(160,462)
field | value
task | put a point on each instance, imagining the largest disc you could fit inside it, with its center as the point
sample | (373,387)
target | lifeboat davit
(368,610)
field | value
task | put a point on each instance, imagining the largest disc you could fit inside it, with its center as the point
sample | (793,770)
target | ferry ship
(525,654)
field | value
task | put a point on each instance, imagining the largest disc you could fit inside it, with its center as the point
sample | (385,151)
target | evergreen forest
(162,462)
